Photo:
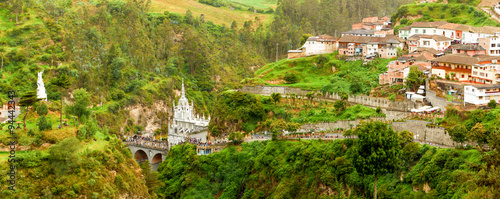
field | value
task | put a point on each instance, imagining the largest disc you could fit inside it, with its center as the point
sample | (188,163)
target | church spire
(183,93)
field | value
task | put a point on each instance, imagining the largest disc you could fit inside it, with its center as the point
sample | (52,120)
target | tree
(151,177)
(304,38)
(2,51)
(63,83)
(17,7)
(236,137)
(310,96)
(292,127)
(293,96)
(478,134)
(234,25)
(42,109)
(378,150)
(340,105)
(405,137)
(492,104)
(277,127)
(276,97)
(82,101)
(413,80)
(63,156)
(27,100)
(458,133)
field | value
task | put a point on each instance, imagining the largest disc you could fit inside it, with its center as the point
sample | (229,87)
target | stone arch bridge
(141,153)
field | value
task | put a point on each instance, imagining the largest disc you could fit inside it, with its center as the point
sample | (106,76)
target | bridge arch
(157,158)
(140,155)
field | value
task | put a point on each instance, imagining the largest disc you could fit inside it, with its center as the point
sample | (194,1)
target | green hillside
(452,13)
(324,72)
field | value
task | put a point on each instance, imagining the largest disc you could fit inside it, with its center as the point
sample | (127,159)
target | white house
(481,94)
(425,28)
(436,42)
(320,45)
(486,73)
(372,48)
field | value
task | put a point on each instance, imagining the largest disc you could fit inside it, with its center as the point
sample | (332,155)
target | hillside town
(462,59)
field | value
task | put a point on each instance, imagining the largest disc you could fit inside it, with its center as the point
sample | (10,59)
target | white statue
(40,94)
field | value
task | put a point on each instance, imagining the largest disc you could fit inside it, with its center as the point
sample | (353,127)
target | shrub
(392,97)
(42,109)
(291,78)
(492,104)
(43,124)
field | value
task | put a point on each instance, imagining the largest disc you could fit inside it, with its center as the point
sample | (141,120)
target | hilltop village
(463,59)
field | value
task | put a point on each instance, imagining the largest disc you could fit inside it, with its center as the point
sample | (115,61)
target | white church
(185,123)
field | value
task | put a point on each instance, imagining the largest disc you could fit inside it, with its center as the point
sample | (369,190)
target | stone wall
(358,99)
(422,132)
(439,101)
(418,128)
(325,126)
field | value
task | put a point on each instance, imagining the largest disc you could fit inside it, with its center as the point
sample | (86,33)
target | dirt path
(493,14)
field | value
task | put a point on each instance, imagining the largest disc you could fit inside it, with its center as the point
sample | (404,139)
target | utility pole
(277,52)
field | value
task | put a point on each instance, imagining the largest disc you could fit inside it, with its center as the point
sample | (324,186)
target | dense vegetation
(73,168)
(452,13)
(319,169)
(237,111)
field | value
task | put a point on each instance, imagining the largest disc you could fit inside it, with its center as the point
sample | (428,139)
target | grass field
(220,15)
(453,13)
(313,73)
(259,4)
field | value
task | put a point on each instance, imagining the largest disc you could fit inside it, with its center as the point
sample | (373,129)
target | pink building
(398,70)
(468,49)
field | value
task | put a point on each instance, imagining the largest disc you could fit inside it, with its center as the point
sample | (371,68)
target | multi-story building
(459,66)
(359,32)
(491,44)
(373,23)
(436,42)
(315,45)
(384,47)
(425,28)
(398,70)
(468,49)
(459,33)
(404,32)
(481,94)
(486,73)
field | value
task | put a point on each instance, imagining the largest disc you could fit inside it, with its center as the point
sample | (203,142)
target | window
(481,97)
(416,31)
(423,31)
(426,43)
(493,45)
(434,31)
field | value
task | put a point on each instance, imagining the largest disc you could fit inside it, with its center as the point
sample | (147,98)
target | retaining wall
(387,104)
(418,128)
(439,101)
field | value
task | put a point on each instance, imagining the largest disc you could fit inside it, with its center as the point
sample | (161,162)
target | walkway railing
(150,145)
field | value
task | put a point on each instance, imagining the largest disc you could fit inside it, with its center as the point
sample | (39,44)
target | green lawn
(323,72)
(258,4)
(452,13)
